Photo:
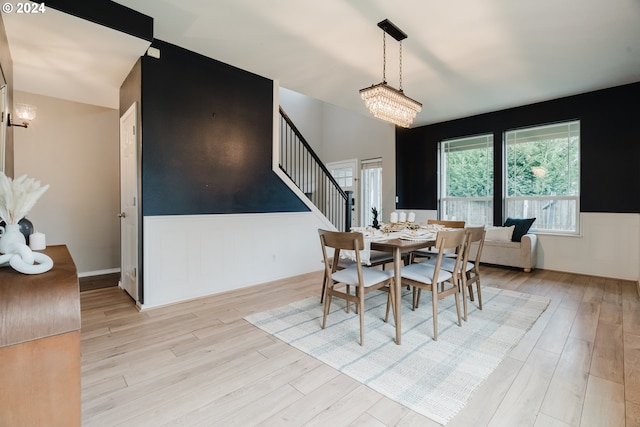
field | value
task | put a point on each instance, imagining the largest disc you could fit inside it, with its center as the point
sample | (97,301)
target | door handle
(122,215)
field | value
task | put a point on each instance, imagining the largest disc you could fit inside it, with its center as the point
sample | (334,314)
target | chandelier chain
(384,56)
(400,65)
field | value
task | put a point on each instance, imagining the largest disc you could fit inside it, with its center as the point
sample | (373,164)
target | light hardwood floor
(199,363)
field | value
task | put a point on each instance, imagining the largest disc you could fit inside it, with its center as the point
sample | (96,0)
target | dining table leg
(397,282)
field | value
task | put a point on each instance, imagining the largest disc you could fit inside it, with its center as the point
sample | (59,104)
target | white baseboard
(98,272)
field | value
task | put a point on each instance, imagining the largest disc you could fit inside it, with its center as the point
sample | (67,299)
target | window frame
(575,198)
(365,213)
(444,199)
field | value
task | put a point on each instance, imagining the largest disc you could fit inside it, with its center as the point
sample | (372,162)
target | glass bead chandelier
(384,101)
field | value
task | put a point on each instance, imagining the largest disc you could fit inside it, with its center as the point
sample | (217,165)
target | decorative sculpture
(17,198)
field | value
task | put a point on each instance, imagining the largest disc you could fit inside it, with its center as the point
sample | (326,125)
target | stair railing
(308,172)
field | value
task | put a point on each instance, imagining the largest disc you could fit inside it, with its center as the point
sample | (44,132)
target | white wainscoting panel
(187,257)
(190,256)
(607,247)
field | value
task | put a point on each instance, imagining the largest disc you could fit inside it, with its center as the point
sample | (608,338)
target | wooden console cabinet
(40,345)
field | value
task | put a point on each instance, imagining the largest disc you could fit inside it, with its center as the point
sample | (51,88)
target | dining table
(400,245)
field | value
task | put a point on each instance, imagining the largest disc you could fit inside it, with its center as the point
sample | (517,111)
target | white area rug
(433,378)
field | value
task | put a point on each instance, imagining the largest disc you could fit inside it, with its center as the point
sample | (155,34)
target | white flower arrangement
(18,197)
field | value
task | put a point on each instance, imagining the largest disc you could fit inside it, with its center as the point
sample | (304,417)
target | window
(466,184)
(371,174)
(343,176)
(543,176)
(345,172)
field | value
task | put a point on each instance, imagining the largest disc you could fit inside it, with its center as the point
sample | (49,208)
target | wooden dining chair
(363,279)
(432,277)
(468,271)
(472,268)
(376,259)
(430,252)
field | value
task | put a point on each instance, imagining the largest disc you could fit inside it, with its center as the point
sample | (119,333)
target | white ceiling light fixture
(384,101)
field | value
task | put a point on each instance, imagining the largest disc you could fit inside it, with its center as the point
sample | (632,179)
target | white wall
(337,134)
(74,148)
(306,114)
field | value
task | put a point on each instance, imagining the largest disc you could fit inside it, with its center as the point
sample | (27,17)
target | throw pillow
(522,227)
(502,234)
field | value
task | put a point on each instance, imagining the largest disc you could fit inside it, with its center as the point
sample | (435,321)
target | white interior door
(346,173)
(129,202)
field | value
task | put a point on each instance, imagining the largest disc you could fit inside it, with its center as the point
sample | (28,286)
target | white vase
(10,234)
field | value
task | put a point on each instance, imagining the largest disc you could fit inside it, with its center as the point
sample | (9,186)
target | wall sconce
(25,114)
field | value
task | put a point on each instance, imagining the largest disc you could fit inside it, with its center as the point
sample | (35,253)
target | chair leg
(417,298)
(327,305)
(386,314)
(357,306)
(479,294)
(434,293)
(348,291)
(468,276)
(324,287)
(361,307)
(391,301)
(457,297)
(464,295)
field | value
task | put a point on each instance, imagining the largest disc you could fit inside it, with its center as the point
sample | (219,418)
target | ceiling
(461,58)
(59,55)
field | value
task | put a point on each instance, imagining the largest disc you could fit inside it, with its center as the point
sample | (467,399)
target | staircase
(306,170)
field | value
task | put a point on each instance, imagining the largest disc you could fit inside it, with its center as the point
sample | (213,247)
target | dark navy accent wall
(610,149)
(207,138)
(416,170)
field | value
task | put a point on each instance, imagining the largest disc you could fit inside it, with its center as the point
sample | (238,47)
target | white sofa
(512,254)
